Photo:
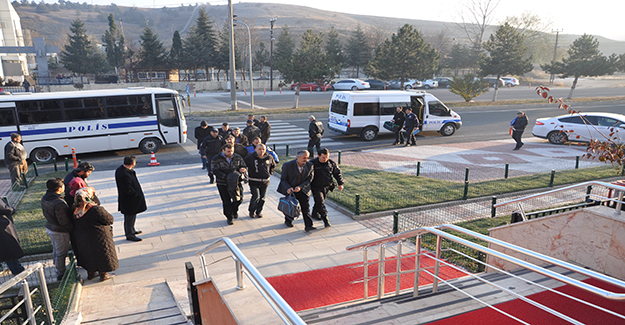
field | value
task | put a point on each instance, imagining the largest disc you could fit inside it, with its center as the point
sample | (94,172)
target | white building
(14,66)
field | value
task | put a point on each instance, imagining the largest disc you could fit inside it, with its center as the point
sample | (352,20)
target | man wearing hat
(15,157)
(210,147)
(518,125)
(202,132)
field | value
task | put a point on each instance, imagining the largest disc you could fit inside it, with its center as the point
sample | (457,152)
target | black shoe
(521,145)
(235,215)
(251,214)
(288,223)
(394,143)
(259,215)
(316,216)
(515,149)
(307,229)
(407,145)
(133,238)
(230,222)
(138,232)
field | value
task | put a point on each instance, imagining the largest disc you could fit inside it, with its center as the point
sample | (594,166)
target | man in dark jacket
(239,137)
(265,129)
(255,121)
(412,122)
(225,130)
(251,131)
(15,157)
(325,169)
(11,250)
(261,166)
(296,177)
(210,147)
(58,222)
(518,125)
(202,132)
(224,164)
(399,119)
(130,197)
(315,132)
(83,171)
(238,148)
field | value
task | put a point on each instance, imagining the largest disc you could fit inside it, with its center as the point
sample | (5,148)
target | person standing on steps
(518,125)
(130,197)
(296,178)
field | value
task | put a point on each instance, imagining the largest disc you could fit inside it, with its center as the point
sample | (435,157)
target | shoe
(288,223)
(407,145)
(137,232)
(133,238)
(326,222)
(251,215)
(394,144)
(105,276)
(230,222)
(259,215)
(235,215)
(316,216)
(515,149)
(307,229)
(521,145)
(91,275)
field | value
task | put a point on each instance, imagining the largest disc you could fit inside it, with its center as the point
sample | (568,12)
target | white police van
(364,112)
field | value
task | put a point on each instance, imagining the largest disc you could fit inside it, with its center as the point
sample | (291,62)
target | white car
(351,84)
(581,128)
(429,83)
(510,81)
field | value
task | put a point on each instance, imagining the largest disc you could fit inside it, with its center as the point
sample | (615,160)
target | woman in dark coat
(10,250)
(93,233)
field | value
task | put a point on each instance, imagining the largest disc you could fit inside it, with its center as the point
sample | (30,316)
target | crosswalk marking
(285,133)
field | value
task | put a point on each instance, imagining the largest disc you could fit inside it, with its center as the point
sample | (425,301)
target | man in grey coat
(58,222)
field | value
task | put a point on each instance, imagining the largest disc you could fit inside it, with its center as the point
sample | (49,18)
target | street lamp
(271,39)
(249,47)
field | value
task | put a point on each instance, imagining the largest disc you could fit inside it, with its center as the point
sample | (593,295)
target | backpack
(290,207)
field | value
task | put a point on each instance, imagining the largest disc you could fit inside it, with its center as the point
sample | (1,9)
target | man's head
(408,110)
(263,119)
(302,157)
(15,137)
(250,122)
(236,131)
(55,185)
(229,139)
(520,113)
(311,118)
(398,109)
(84,169)
(130,162)
(227,149)
(250,117)
(324,155)
(256,141)
(204,124)
(225,126)
(261,150)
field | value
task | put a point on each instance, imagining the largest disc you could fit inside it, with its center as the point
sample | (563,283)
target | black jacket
(57,213)
(265,130)
(9,243)
(130,197)
(315,129)
(260,170)
(400,118)
(412,121)
(520,123)
(200,134)
(241,139)
(211,146)
(290,177)
(224,134)
(221,167)
(324,173)
(251,132)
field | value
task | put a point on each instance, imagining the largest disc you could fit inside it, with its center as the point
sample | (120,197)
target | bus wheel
(150,145)
(369,133)
(43,155)
(448,129)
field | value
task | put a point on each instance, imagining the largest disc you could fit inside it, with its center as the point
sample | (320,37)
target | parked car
(408,84)
(351,84)
(443,82)
(491,82)
(580,128)
(377,84)
(312,86)
(510,81)
(428,83)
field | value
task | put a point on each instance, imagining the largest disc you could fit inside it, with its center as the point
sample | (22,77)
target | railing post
(46,295)
(465,195)
(618,206)
(365,259)
(576,162)
(588,191)
(35,168)
(25,180)
(398,268)
(381,258)
(466,175)
(239,270)
(357,207)
(437,264)
(418,168)
(553,175)
(29,303)
(493,210)
(194,301)
(417,264)
(287,150)
(339,158)
(395,222)
(505,174)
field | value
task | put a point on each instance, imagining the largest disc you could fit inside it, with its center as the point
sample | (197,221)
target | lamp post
(271,39)
(233,82)
(249,47)
(555,54)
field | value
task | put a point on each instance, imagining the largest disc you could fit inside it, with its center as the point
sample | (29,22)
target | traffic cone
(74,158)
(153,161)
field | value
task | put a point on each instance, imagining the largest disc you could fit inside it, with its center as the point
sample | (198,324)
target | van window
(366,109)
(438,109)
(338,107)
(390,108)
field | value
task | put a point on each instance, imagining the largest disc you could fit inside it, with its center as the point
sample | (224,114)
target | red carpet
(329,286)
(533,315)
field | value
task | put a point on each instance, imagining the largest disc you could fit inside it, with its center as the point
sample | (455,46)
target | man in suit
(297,176)
(130,197)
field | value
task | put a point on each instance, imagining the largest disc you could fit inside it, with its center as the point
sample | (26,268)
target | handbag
(290,207)
(390,126)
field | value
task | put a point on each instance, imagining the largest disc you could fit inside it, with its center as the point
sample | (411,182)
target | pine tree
(80,55)
(152,53)
(261,58)
(358,50)
(334,51)
(200,44)
(115,47)
(284,50)
(176,54)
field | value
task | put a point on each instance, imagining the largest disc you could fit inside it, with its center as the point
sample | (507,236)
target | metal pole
(233,74)
(239,270)
(553,175)
(417,265)
(398,270)
(418,168)
(357,208)
(577,162)
(339,159)
(437,264)
(46,295)
(493,210)
(29,303)
(249,47)
(395,222)
(505,174)
(366,273)
(271,39)
(381,258)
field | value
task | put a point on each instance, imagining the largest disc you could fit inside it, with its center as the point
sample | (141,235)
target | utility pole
(271,39)
(233,75)
(555,54)
(249,47)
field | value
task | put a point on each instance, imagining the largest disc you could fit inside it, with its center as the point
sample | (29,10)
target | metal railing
(244,266)
(440,235)
(30,312)
(618,191)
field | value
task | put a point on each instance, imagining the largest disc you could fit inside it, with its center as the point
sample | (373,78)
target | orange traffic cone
(153,161)
(74,158)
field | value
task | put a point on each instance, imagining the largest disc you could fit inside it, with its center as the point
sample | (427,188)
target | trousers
(60,247)
(259,192)
(516,135)
(304,203)
(314,142)
(230,206)
(129,225)
(320,195)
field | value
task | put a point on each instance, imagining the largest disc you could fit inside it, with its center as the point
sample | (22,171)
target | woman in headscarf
(93,233)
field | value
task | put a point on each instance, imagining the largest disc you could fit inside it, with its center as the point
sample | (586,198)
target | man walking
(254,120)
(296,177)
(83,171)
(130,197)
(58,222)
(15,157)
(412,122)
(518,125)
(202,132)
(229,168)
(210,147)
(251,131)
(225,130)
(315,133)
(399,119)
(265,129)
(261,166)
(324,170)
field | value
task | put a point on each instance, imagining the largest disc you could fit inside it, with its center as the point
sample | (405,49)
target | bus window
(438,109)
(123,106)
(166,112)
(366,109)
(39,111)
(6,117)
(83,109)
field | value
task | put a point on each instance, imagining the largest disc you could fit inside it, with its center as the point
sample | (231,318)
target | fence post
(35,168)
(493,210)
(466,175)
(357,208)
(466,190)
(25,180)
(505,175)
(553,175)
(54,162)
(577,162)
(623,170)
(287,150)
(66,164)
(395,222)
(418,168)
(339,158)
(588,191)
(194,302)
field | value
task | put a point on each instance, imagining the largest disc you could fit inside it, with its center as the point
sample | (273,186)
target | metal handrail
(438,230)
(44,292)
(618,201)
(242,263)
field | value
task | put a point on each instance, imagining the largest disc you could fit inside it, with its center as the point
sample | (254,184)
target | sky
(598,18)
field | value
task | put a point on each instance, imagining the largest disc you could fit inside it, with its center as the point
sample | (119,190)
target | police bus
(51,124)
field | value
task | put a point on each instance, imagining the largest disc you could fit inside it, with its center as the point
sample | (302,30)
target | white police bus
(364,112)
(51,124)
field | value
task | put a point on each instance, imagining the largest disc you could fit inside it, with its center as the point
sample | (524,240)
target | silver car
(351,84)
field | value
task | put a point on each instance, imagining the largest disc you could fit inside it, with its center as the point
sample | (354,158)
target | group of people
(405,119)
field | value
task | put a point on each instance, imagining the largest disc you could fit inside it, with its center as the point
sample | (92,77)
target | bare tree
(535,32)
(476,16)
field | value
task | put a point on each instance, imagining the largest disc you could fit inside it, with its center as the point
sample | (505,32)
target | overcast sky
(599,17)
